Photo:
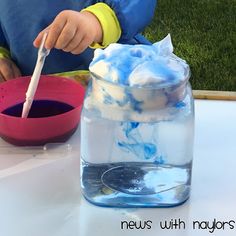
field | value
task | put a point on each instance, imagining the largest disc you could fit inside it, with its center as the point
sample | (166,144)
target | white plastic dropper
(42,53)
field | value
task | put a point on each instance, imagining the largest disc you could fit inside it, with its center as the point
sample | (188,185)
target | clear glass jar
(137,144)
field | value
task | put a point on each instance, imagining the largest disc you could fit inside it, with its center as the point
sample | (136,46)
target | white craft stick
(42,53)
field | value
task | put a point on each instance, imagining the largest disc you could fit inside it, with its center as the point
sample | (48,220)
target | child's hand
(72,31)
(8,70)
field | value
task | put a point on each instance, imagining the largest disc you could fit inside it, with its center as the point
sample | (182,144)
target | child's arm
(105,22)
(72,32)
(133,15)
(8,69)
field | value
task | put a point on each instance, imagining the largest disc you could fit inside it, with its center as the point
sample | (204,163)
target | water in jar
(128,163)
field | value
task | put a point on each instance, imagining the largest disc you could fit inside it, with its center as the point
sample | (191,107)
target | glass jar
(137,144)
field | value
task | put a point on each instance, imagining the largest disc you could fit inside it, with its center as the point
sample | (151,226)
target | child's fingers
(66,35)
(55,30)
(74,43)
(85,42)
(39,38)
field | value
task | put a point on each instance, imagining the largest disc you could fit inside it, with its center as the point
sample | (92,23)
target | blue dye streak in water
(159,160)
(129,126)
(180,104)
(141,150)
(135,105)
(108,100)
(129,99)
(134,144)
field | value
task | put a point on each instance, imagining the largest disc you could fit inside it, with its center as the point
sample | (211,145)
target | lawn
(204,34)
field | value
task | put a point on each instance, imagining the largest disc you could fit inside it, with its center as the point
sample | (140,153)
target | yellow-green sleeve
(4,53)
(109,22)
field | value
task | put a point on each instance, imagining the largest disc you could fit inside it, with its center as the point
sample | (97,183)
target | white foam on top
(150,77)
(140,65)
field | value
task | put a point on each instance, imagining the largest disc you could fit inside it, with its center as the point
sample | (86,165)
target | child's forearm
(109,22)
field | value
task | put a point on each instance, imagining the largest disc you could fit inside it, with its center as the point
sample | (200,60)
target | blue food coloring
(40,108)
(180,104)
(159,160)
(134,143)
(141,150)
(136,53)
(129,126)
(108,100)
(128,99)
(135,104)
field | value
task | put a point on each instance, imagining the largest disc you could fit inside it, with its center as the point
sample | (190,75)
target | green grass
(204,34)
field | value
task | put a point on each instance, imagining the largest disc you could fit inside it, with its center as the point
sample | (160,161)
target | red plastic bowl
(39,131)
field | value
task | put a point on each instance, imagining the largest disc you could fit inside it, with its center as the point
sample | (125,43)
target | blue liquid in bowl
(40,108)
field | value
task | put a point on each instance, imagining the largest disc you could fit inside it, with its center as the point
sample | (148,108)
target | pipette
(42,53)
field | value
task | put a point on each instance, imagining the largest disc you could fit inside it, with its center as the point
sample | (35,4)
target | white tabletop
(40,196)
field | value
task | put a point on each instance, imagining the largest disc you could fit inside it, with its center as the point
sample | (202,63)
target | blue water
(132,164)
(135,184)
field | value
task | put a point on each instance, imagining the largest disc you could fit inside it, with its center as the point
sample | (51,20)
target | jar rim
(149,87)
